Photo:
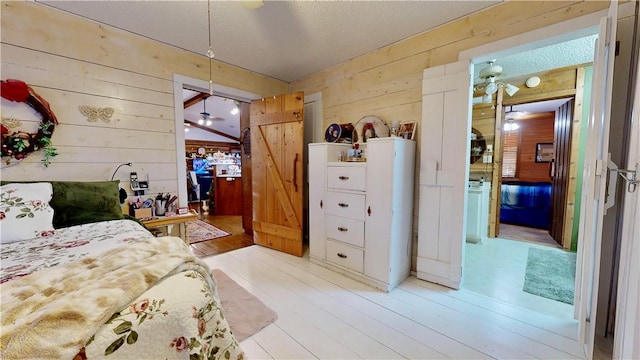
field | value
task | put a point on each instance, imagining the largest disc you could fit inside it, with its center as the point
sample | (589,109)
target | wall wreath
(18,144)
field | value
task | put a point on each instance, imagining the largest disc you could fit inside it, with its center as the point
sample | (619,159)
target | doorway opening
(513,126)
(533,177)
(222,101)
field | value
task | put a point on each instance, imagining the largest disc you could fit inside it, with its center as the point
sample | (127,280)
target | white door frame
(318,130)
(628,286)
(625,343)
(179,82)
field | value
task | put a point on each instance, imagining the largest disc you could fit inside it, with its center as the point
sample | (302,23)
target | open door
(444,166)
(595,181)
(245,145)
(276,169)
(559,171)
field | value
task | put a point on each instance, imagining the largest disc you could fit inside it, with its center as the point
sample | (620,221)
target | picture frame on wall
(407,130)
(544,152)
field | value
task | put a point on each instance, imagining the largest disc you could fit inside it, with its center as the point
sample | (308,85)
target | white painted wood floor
(324,315)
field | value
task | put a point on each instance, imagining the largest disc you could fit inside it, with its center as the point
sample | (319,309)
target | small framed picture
(544,152)
(408,130)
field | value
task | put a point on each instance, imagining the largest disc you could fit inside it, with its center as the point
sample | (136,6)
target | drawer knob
(343,205)
(342,228)
(341,255)
(343,177)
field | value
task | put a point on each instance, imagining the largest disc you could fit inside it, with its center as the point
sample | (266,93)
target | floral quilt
(69,244)
(147,299)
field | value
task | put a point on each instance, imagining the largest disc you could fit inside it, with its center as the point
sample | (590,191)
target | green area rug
(551,274)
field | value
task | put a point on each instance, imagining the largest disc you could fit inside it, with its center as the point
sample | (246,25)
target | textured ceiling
(555,56)
(286,40)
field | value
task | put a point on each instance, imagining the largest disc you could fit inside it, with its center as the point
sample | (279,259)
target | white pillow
(25,212)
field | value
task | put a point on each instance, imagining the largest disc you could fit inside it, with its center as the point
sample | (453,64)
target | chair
(194,186)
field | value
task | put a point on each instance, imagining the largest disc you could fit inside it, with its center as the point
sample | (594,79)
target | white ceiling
(289,40)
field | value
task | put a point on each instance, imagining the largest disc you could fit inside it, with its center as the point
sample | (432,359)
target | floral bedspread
(66,245)
(150,299)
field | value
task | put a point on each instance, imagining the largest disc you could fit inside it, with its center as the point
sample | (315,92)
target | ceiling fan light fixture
(491,88)
(511,89)
(200,121)
(209,123)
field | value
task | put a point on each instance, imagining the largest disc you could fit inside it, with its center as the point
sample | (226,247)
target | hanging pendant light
(210,50)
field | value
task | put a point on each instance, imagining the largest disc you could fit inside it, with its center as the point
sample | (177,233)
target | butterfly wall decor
(94,113)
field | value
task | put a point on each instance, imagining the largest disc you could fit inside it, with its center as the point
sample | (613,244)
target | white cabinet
(361,213)
(478,211)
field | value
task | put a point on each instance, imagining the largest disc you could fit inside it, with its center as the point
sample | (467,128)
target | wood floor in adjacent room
(231,224)
(324,315)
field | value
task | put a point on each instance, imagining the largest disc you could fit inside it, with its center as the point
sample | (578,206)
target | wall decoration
(16,145)
(94,113)
(544,152)
(408,130)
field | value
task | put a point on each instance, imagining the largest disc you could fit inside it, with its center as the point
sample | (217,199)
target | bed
(526,204)
(100,289)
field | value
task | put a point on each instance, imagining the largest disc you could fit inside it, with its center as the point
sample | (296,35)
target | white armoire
(361,213)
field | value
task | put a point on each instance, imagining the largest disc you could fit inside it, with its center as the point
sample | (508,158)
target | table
(169,222)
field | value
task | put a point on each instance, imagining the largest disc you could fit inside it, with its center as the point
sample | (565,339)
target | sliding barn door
(276,167)
(560,170)
(444,166)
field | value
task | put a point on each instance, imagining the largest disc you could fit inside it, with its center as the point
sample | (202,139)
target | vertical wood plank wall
(534,131)
(387,82)
(71,62)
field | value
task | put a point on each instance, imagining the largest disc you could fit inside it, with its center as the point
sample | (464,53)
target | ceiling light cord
(210,50)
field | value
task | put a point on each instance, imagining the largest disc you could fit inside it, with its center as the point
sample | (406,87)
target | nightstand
(167,223)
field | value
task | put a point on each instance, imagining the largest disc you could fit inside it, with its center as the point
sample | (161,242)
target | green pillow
(77,202)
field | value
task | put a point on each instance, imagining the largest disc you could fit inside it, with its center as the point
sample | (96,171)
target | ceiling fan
(205,116)
(489,75)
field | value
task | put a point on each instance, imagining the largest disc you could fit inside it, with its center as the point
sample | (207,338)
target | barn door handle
(295,173)
(343,229)
(343,205)
(341,255)
(343,177)
(369,211)
(320,204)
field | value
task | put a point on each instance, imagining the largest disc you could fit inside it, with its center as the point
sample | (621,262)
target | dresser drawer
(345,205)
(346,230)
(345,255)
(346,177)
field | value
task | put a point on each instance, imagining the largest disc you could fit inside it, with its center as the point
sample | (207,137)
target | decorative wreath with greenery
(19,144)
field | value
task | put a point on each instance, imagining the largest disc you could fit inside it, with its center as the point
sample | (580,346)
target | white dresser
(361,213)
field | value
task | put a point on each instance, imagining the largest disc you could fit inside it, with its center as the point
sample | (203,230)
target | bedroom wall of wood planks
(71,62)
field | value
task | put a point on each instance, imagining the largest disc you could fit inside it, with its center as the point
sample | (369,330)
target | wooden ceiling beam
(196,99)
(205,128)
